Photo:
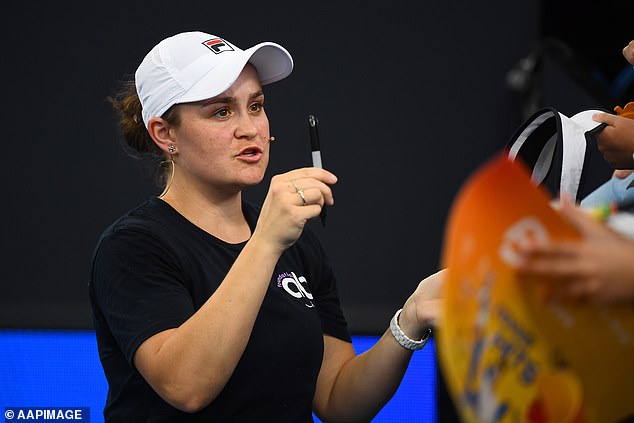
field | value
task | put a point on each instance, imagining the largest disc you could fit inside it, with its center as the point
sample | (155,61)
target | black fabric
(537,140)
(152,269)
(596,170)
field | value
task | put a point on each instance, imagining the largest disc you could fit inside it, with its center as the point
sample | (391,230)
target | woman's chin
(251,178)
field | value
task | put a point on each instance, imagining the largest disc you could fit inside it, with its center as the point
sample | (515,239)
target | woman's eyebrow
(214,100)
(228,99)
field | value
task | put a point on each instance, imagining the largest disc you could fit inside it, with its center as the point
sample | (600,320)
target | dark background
(411,99)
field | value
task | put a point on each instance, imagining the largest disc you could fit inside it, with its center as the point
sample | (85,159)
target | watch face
(506,352)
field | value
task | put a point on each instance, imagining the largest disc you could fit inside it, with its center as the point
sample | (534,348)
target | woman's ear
(159,130)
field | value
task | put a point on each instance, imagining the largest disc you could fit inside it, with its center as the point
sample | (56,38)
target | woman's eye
(256,107)
(222,113)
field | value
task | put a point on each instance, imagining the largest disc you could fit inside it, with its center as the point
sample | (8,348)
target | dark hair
(126,102)
(137,138)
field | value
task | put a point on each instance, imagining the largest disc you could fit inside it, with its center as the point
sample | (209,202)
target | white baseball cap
(194,66)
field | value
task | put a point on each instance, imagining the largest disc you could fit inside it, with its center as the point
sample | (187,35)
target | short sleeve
(136,287)
(324,288)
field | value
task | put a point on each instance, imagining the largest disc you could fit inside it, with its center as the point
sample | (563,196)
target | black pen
(316,154)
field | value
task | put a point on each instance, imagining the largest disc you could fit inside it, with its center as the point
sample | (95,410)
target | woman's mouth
(250,154)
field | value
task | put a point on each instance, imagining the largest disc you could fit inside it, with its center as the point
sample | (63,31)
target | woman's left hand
(422,309)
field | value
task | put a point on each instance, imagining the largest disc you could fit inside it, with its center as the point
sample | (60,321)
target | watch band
(403,339)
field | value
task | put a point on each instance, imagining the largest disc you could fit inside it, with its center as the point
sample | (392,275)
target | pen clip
(313,123)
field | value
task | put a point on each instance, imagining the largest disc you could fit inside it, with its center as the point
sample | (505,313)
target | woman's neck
(218,215)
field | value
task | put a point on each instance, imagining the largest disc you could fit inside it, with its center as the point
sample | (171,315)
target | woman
(207,308)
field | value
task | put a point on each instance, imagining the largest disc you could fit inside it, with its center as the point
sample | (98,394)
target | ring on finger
(295,185)
(301,194)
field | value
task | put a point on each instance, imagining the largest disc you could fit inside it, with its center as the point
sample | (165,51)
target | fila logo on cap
(217,45)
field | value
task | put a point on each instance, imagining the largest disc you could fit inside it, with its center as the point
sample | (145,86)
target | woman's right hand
(285,212)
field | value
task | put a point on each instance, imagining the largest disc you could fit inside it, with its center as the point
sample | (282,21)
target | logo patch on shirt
(296,287)
(217,45)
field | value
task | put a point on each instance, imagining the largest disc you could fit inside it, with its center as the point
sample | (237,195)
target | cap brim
(271,61)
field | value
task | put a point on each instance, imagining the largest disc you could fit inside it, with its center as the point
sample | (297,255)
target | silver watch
(403,339)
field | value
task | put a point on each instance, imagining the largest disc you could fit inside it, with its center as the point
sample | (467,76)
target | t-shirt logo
(296,287)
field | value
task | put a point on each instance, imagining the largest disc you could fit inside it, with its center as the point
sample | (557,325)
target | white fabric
(572,134)
(574,149)
(183,68)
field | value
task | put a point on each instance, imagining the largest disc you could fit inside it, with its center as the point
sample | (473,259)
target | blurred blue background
(57,368)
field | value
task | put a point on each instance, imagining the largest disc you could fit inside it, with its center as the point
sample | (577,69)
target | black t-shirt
(152,269)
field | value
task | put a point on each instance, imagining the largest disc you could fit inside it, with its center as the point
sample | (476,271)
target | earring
(271,138)
(169,180)
(171,148)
